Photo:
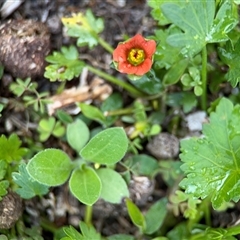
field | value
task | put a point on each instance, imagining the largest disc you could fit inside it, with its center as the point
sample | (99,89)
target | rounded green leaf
(114,188)
(85,185)
(77,134)
(107,147)
(51,167)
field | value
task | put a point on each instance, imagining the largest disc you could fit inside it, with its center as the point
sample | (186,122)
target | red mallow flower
(134,56)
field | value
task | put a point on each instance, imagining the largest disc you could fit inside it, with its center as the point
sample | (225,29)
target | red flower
(135,56)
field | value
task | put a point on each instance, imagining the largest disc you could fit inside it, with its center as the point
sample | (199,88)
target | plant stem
(133,91)
(119,112)
(105,45)
(88,215)
(47,225)
(204,79)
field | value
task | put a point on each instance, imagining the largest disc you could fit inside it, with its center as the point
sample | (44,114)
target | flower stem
(204,79)
(105,45)
(88,215)
(133,91)
(119,112)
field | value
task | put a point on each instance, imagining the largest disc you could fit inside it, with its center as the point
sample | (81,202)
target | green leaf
(155,216)
(85,185)
(135,214)
(166,55)
(196,20)
(28,187)
(85,28)
(64,65)
(4,184)
(211,164)
(230,56)
(175,72)
(77,134)
(149,83)
(88,232)
(92,112)
(113,102)
(10,149)
(50,167)
(157,13)
(142,164)
(114,188)
(107,147)
(3,168)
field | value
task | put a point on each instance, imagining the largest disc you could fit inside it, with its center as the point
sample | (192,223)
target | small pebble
(164,146)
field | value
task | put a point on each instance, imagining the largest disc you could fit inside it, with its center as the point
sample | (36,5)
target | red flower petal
(120,55)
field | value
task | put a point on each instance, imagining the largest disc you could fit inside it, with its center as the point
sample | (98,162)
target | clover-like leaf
(28,187)
(230,56)
(196,20)
(10,149)
(212,163)
(64,65)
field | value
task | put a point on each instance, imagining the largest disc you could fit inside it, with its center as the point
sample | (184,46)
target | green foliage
(21,86)
(64,65)
(230,56)
(186,203)
(155,216)
(84,27)
(114,188)
(135,214)
(142,164)
(28,187)
(113,102)
(211,164)
(87,233)
(196,20)
(85,185)
(50,167)
(107,147)
(149,83)
(4,184)
(48,127)
(77,134)
(152,220)
(92,112)
(10,149)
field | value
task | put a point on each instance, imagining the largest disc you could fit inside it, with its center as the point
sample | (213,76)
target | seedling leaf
(114,188)
(64,65)
(50,167)
(107,147)
(28,187)
(155,216)
(77,134)
(212,163)
(10,149)
(85,185)
(135,214)
(4,184)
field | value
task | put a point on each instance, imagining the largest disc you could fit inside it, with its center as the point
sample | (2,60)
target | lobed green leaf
(212,163)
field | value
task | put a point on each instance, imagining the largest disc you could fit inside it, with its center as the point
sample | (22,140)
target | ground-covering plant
(170,71)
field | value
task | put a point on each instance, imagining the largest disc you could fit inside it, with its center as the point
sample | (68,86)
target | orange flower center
(136,56)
